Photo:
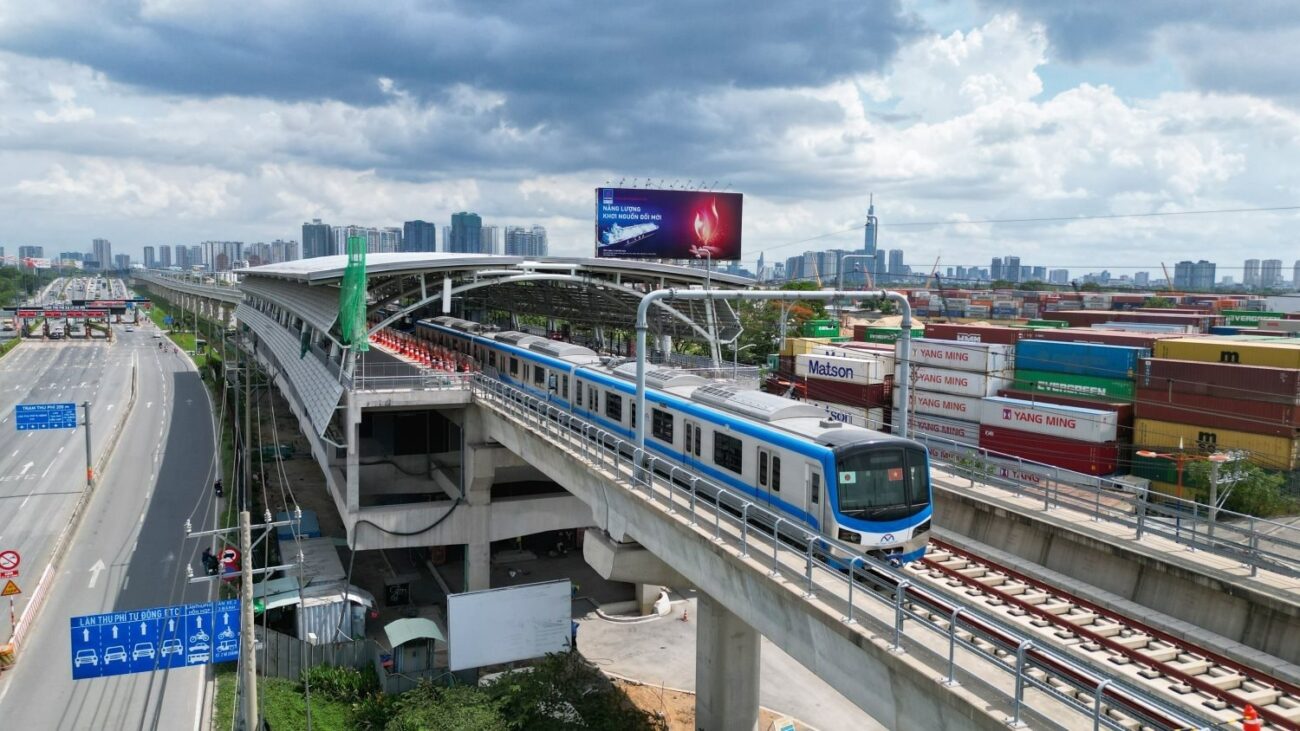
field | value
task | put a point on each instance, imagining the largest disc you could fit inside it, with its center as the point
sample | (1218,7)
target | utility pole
(248,654)
(90,465)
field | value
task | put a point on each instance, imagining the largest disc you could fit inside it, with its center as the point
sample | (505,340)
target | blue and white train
(863,487)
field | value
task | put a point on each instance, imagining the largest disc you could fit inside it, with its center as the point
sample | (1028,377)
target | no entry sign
(9,561)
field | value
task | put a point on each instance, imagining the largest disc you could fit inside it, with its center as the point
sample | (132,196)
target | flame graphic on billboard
(706,225)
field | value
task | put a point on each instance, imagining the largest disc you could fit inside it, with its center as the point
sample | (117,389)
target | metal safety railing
(1036,681)
(1257,543)
(403,377)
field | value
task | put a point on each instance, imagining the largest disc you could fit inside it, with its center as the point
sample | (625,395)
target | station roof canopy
(582,291)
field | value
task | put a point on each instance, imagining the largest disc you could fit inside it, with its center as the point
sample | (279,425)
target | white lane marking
(15,454)
(125,580)
(60,450)
(26,467)
(148,404)
(24,504)
(94,572)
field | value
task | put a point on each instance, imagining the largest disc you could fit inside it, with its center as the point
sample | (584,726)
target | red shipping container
(866,396)
(1268,333)
(1100,337)
(1124,411)
(1088,318)
(1254,417)
(1068,454)
(785,366)
(1221,380)
(974,333)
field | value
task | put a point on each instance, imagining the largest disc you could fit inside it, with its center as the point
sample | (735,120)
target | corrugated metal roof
(403,631)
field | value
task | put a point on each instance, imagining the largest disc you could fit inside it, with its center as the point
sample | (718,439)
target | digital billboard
(637,223)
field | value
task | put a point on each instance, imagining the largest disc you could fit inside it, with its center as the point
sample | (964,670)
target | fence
(401,377)
(1035,681)
(1256,542)
(285,656)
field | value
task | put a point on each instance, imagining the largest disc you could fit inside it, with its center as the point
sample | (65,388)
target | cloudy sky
(176,121)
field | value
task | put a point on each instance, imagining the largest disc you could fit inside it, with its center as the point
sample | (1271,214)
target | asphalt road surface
(129,551)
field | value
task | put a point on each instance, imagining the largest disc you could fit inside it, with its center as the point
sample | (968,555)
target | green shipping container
(1047,323)
(1069,384)
(842,339)
(1248,318)
(890,334)
(1155,468)
(820,329)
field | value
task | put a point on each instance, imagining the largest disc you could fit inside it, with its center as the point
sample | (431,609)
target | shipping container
(1101,337)
(785,365)
(872,334)
(1292,326)
(848,370)
(1256,417)
(786,386)
(855,415)
(1269,452)
(1249,318)
(1068,422)
(1221,380)
(962,383)
(963,356)
(1225,330)
(973,333)
(1073,384)
(1089,458)
(1085,359)
(800,346)
(1047,323)
(878,352)
(1221,350)
(946,405)
(962,432)
(1123,409)
(1148,327)
(1086,318)
(820,329)
(866,396)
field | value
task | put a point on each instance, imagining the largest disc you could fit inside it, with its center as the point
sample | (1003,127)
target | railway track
(1188,675)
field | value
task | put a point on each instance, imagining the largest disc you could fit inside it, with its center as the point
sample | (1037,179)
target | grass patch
(9,345)
(283,704)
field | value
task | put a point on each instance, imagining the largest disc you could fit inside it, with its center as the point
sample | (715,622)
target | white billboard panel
(504,625)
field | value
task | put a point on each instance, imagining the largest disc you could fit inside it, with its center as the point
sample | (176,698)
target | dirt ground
(678,708)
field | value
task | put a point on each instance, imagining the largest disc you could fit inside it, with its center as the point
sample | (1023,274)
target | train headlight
(849,536)
(923,527)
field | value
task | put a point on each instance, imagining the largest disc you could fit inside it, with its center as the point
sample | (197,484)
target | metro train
(862,487)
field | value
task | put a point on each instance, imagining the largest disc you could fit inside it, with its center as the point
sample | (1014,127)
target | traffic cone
(1250,720)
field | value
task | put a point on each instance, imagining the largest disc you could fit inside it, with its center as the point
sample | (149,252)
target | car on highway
(172,647)
(142,649)
(116,652)
(85,657)
(130,329)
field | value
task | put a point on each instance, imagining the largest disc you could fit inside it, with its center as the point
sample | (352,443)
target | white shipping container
(844,370)
(1291,326)
(1029,309)
(962,383)
(1085,425)
(884,358)
(865,418)
(962,432)
(962,355)
(946,405)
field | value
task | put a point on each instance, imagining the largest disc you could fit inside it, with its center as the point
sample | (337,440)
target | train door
(813,492)
(765,460)
(691,442)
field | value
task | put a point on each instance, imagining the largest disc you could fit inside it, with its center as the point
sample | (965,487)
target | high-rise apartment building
(419,236)
(222,256)
(882,265)
(995,268)
(122,262)
(1197,276)
(102,251)
(282,251)
(31,252)
(165,256)
(150,261)
(520,241)
(487,240)
(1011,269)
(466,229)
(317,240)
(196,256)
(1250,277)
(896,266)
(1295,276)
(1141,279)
(1270,273)
(1038,274)
(1059,276)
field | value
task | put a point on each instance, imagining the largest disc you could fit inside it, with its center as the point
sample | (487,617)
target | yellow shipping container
(802,346)
(1274,453)
(1219,350)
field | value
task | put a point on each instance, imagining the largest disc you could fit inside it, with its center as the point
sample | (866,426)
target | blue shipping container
(1084,359)
(1226,330)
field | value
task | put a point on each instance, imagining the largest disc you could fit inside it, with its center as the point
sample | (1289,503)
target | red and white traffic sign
(230,557)
(9,561)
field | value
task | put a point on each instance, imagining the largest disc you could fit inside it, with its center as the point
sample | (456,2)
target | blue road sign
(46,416)
(144,640)
(167,320)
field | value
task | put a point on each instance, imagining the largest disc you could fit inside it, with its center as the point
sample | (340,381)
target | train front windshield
(882,483)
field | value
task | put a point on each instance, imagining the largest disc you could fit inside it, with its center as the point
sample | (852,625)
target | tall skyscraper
(1038,274)
(122,262)
(520,241)
(316,240)
(1059,276)
(869,237)
(1011,268)
(165,256)
(419,236)
(1250,277)
(150,261)
(1197,276)
(995,268)
(102,251)
(882,265)
(465,233)
(487,240)
(31,252)
(222,256)
(196,256)
(1270,273)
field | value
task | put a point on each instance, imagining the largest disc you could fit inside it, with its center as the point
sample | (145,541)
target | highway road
(129,551)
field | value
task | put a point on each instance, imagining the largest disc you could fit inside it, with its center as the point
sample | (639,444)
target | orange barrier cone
(1250,720)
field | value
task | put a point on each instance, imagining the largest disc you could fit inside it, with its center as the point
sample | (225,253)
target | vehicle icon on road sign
(172,647)
(142,649)
(85,657)
(116,652)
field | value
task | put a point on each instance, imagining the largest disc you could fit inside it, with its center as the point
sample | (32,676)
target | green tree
(1163,302)
(1035,286)
(1089,287)
(761,322)
(428,706)
(1002,284)
(564,692)
(1251,489)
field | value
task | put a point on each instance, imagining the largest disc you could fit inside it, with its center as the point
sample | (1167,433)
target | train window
(564,387)
(593,399)
(762,467)
(577,391)
(698,440)
(815,490)
(539,375)
(632,409)
(492,358)
(690,442)
(661,426)
(776,473)
(614,406)
(514,366)
(728,452)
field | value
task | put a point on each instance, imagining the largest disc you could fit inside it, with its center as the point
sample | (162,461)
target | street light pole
(90,465)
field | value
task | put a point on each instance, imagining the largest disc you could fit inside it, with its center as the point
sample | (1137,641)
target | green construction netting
(352,297)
